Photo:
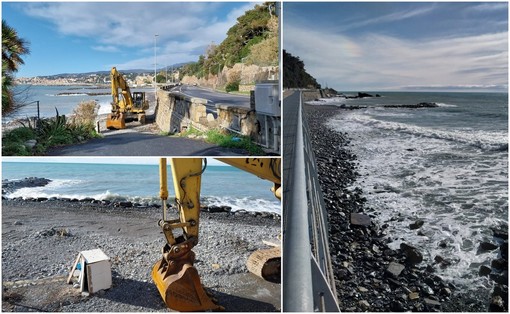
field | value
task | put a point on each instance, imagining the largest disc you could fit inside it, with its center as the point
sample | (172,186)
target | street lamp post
(155,64)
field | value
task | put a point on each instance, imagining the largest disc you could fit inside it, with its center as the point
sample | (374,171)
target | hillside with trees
(253,40)
(295,75)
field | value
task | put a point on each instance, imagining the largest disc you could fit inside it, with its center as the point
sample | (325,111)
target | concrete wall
(311,94)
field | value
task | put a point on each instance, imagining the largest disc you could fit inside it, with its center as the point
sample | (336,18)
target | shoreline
(370,276)
(40,240)
(119,203)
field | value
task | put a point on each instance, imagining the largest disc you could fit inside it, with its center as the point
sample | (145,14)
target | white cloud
(391,17)
(106,48)
(485,7)
(378,61)
(183,28)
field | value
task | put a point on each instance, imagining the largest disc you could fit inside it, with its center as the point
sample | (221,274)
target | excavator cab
(139,101)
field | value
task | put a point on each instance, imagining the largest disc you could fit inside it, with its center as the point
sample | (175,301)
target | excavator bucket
(115,121)
(181,289)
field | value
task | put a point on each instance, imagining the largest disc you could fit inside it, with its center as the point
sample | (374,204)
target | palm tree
(13,47)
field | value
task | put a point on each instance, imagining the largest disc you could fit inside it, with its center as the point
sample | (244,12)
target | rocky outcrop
(9,186)
(419,105)
(246,74)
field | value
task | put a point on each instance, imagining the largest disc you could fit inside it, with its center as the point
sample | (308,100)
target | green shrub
(21,134)
(15,149)
(234,141)
(50,132)
(232,87)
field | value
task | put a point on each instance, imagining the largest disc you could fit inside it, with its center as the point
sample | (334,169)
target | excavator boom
(175,276)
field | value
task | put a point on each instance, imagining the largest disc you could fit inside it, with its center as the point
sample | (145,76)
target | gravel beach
(41,239)
(369,275)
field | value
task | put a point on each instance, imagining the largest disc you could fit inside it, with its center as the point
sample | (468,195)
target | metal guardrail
(308,281)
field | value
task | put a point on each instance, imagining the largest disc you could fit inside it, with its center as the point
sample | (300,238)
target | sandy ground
(36,259)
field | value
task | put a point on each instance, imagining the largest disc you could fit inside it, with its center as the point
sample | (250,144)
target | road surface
(143,140)
(144,144)
(213,97)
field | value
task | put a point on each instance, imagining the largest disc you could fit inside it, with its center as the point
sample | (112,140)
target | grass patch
(228,140)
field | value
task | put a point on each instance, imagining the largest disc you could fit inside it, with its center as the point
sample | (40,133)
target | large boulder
(413,256)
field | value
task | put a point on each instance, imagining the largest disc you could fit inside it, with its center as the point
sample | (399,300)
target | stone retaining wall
(311,94)
(176,113)
(246,87)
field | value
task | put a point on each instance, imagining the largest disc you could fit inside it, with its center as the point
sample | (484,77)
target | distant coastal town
(134,79)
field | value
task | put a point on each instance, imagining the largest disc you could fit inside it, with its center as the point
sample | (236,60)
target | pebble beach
(370,276)
(41,239)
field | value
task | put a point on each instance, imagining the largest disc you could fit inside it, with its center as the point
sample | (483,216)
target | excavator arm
(175,276)
(118,81)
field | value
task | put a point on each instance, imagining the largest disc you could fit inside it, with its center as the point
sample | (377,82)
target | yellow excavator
(175,276)
(125,106)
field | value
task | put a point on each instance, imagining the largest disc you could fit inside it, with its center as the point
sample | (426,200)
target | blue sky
(73,37)
(401,46)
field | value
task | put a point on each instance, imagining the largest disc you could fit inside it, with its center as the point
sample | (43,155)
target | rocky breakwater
(369,275)
(108,205)
(9,186)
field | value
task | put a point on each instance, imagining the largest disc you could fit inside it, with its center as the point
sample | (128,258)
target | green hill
(295,75)
(253,40)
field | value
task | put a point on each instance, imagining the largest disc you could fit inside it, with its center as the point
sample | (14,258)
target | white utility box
(94,271)
(267,99)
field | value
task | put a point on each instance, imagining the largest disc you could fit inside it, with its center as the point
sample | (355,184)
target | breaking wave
(485,140)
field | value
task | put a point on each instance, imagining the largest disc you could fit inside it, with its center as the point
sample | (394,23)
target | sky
(78,37)
(401,46)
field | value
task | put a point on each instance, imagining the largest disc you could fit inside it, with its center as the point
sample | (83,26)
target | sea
(62,98)
(118,180)
(447,166)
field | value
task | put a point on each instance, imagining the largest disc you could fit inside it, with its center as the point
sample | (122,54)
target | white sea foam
(49,190)
(72,95)
(104,108)
(245,203)
(439,176)
(440,104)
(60,189)
(487,140)
(327,101)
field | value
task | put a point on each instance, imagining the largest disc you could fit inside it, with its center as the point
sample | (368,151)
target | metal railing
(308,281)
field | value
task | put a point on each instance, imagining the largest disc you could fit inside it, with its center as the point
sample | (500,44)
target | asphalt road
(213,97)
(143,144)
